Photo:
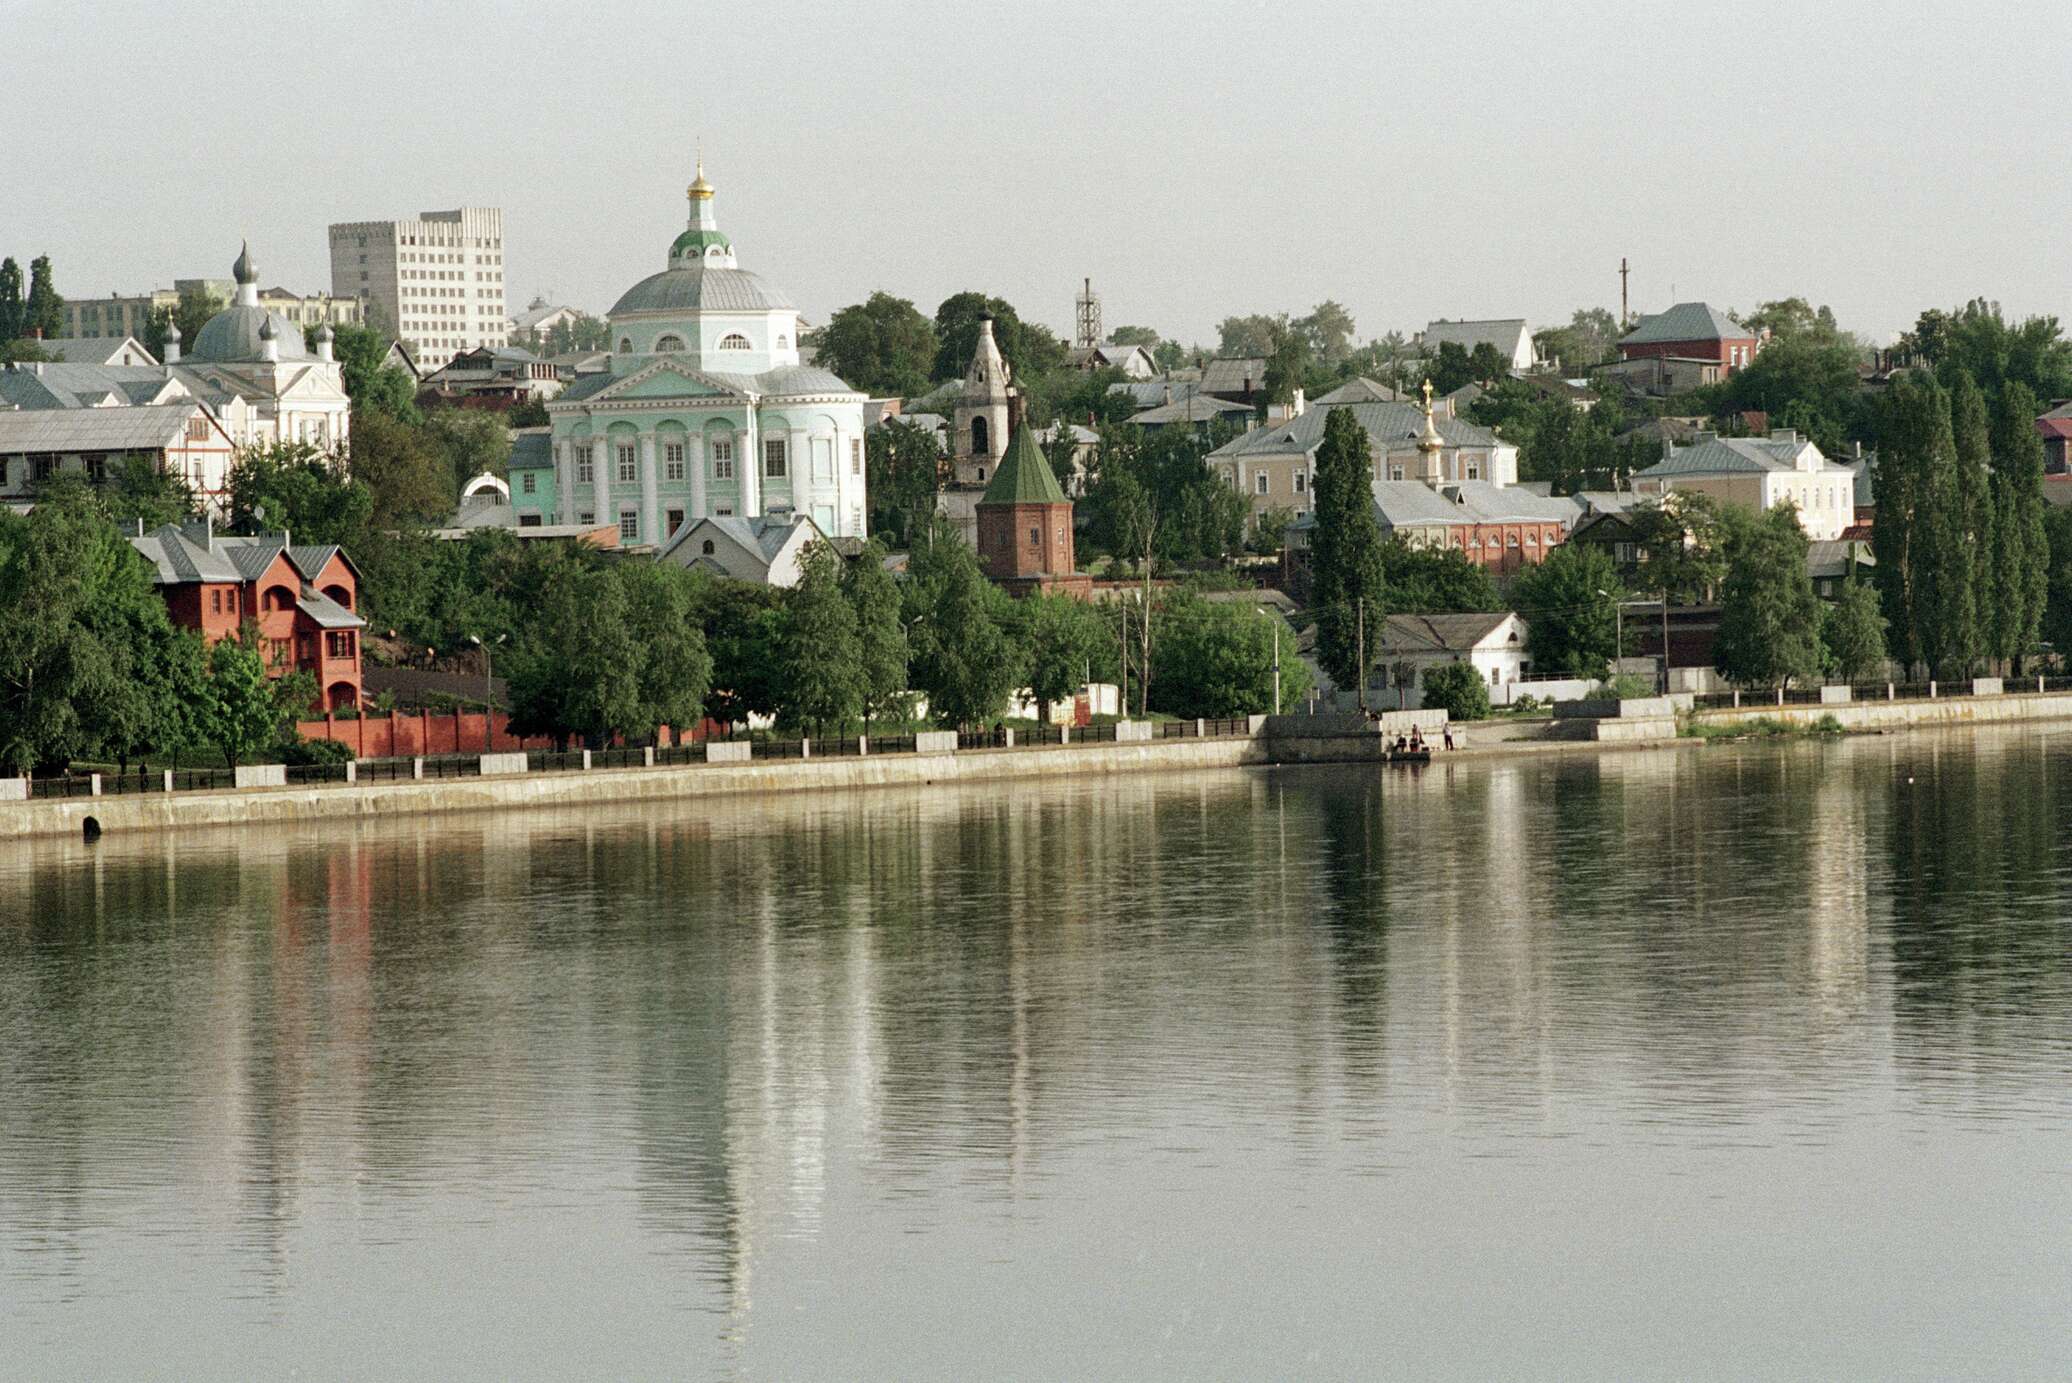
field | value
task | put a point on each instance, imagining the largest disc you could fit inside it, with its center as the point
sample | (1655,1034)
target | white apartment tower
(439,279)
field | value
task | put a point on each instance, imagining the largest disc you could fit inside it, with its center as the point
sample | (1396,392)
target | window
(625,345)
(1301,482)
(856,456)
(277,651)
(629,526)
(1035,537)
(216,601)
(1395,472)
(585,471)
(707,545)
(97,468)
(1474,470)
(528,520)
(668,344)
(1532,538)
(586,517)
(276,598)
(1259,483)
(979,439)
(724,511)
(773,457)
(672,461)
(824,459)
(784,343)
(723,459)
(734,341)
(675,521)
(526,485)
(628,467)
(1510,540)
(338,644)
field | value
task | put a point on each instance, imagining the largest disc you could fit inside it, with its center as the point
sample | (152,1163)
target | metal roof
(1233,374)
(1686,322)
(783,382)
(152,427)
(96,350)
(700,288)
(1714,455)
(1193,409)
(1360,389)
(1389,425)
(531,450)
(1506,334)
(1023,476)
(233,335)
(1446,633)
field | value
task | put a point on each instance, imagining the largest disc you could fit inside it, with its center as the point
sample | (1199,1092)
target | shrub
(1624,687)
(1458,690)
(303,752)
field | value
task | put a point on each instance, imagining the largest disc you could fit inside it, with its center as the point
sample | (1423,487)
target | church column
(798,469)
(694,456)
(650,527)
(601,463)
(751,472)
(564,483)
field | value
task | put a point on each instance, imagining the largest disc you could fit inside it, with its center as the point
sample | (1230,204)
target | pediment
(665,380)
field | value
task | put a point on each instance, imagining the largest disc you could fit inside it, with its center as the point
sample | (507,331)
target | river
(1744,1061)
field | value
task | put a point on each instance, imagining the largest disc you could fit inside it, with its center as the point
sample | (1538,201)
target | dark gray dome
(233,335)
(697,287)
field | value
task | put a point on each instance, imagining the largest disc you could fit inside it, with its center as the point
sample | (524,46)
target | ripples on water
(1723,1061)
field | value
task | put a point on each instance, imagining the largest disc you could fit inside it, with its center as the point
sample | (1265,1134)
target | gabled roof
(152,427)
(327,613)
(1390,426)
(97,350)
(785,380)
(1360,389)
(1023,476)
(1151,393)
(1447,633)
(532,449)
(178,560)
(1837,557)
(533,316)
(762,537)
(1686,322)
(1506,334)
(1198,408)
(1709,454)
(63,384)
(1233,374)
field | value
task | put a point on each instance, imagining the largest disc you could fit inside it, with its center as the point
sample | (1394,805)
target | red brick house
(1025,525)
(2055,428)
(1692,332)
(304,600)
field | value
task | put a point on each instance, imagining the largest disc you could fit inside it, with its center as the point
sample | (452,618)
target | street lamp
(488,681)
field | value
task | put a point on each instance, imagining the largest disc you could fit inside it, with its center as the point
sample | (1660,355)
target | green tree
(1136,336)
(243,712)
(13,314)
(1794,319)
(1458,690)
(963,657)
(1450,368)
(1913,433)
(881,641)
(675,671)
(192,312)
(1434,580)
(578,676)
(1488,364)
(373,385)
(1975,523)
(743,626)
(1062,637)
(902,472)
(2021,550)
(1570,606)
(821,653)
(1769,628)
(1805,382)
(472,441)
(43,313)
(1286,369)
(1683,538)
(1853,632)
(1244,337)
(1348,585)
(294,486)
(528,412)
(884,346)
(407,474)
(138,491)
(2056,622)
(1216,660)
(1978,341)
(1029,349)
(1327,332)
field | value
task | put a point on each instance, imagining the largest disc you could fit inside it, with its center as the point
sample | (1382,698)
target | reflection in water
(770,1087)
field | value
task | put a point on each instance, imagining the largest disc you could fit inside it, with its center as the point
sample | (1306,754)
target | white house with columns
(706,411)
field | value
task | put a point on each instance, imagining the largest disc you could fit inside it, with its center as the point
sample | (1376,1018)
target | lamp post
(488,681)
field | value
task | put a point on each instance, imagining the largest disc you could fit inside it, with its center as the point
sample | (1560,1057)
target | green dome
(695,242)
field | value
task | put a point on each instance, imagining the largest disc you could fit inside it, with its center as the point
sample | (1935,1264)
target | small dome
(324,333)
(172,329)
(700,189)
(244,271)
(266,331)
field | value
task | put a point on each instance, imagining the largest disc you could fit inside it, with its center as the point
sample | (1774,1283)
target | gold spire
(1428,398)
(700,190)
(1431,440)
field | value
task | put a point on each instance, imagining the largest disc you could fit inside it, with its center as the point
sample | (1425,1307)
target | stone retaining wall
(1902,715)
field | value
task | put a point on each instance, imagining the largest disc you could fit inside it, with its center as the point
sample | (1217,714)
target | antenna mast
(1624,315)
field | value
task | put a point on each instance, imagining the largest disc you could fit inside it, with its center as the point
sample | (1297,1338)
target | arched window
(784,343)
(708,547)
(734,341)
(276,598)
(341,595)
(668,344)
(625,345)
(980,438)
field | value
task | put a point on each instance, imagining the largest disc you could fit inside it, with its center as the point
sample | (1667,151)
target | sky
(1197,161)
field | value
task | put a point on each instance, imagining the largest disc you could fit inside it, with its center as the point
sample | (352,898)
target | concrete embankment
(1904,715)
(258,806)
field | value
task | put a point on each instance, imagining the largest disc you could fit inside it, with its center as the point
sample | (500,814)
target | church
(251,367)
(705,412)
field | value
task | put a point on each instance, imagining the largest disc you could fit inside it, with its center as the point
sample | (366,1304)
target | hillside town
(242,517)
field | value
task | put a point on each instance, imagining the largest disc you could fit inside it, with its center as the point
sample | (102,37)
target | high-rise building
(438,279)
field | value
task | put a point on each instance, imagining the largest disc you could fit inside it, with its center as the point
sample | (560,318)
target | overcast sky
(1196,160)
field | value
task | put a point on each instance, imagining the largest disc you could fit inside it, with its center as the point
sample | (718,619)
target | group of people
(1416,743)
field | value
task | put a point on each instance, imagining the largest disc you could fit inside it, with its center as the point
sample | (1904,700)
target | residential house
(1499,527)
(1360,389)
(542,317)
(94,440)
(1760,472)
(1134,361)
(1235,379)
(1692,332)
(1507,336)
(2055,427)
(1197,411)
(303,600)
(1831,565)
(765,548)
(496,377)
(534,502)
(1493,644)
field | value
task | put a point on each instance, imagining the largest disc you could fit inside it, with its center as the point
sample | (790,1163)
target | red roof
(2049,426)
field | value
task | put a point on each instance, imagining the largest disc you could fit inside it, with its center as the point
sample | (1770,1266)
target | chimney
(1169,393)
(1300,404)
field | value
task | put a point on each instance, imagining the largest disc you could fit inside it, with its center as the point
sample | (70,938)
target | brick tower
(1025,524)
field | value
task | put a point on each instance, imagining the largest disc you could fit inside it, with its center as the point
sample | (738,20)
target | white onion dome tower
(240,332)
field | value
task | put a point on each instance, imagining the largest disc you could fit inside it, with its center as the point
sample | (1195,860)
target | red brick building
(1025,525)
(1692,332)
(304,600)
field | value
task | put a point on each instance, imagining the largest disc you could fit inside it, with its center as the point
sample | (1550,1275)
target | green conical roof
(1024,476)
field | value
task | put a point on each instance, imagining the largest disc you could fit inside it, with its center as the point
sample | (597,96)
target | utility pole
(1624,316)
(1122,706)
(1360,647)
(1276,667)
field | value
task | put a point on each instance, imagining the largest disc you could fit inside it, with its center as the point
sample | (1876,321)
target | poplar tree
(820,651)
(1769,626)
(2022,549)
(1912,415)
(10,300)
(1946,609)
(1977,520)
(1346,569)
(881,639)
(44,311)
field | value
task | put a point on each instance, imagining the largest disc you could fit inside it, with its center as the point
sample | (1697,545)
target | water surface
(1722,1062)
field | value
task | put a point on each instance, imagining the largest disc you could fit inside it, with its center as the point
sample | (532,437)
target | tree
(1434,580)
(1136,336)
(1216,660)
(529,412)
(373,385)
(1586,341)
(12,312)
(1327,332)
(1458,690)
(1769,628)
(1804,381)
(743,626)
(902,472)
(1570,606)
(1030,350)
(1975,524)
(1853,633)
(881,641)
(2056,623)
(140,491)
(1062,636)
(963,658)
(579,674)
(2022,552)
(820,651)
(1450,367)
(245,711)
(296,488)
(43,314)
(473,442)
(1250,336)
(192,312)
(1793,319)
(1347,578)
(675,671)
(1286,368)
(1976,340)
(1683,538)
(1487,364)
(408,477)
(883,346)
(1944,611)
(1913,430)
